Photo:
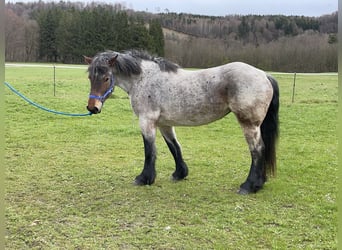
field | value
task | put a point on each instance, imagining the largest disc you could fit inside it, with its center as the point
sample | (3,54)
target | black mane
(129,62)
(164,64)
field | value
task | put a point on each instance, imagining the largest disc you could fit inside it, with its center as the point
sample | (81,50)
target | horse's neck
(126,82)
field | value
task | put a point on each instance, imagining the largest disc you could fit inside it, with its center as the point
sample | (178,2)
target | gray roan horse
(163,95)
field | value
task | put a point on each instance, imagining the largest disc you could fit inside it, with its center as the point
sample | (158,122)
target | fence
(294,87)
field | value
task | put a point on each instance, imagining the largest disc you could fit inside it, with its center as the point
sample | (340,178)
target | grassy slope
(69,179)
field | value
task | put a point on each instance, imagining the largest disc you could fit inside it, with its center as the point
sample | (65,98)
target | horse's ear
(88,60)
(112,61)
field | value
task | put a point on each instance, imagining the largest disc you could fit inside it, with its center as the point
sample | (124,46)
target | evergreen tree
(121,29)
(157,37)
(48,21)
(139,36)
(68,37)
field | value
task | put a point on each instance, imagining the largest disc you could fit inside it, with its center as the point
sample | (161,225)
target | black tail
(270,130)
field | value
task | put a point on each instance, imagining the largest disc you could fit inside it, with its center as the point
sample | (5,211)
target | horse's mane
(129,62)
(164,64)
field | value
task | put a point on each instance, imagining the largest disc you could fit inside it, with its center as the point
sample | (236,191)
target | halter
(110,90)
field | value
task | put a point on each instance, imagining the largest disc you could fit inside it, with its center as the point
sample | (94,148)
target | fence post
(54,80)
(294,87)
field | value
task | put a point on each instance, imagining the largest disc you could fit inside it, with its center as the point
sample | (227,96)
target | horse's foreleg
(171,141)
(256,177)
(148,174)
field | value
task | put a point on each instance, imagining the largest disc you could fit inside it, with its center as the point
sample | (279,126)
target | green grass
(69,180)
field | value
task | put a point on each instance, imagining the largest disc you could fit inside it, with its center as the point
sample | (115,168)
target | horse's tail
(270,130)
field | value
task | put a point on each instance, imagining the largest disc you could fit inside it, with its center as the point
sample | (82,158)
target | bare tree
(14,40)
(31,35)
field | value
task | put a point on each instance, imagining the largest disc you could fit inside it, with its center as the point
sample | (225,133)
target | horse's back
(244,74)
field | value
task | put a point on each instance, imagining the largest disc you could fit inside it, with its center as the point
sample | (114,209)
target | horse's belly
(192,116)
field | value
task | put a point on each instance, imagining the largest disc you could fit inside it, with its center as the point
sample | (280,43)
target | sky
(240,7)
(224,7)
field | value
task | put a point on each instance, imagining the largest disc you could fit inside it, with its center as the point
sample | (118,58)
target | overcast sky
(225,7)
(243,7)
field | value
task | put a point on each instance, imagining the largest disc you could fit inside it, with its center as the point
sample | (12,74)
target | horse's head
(102,81)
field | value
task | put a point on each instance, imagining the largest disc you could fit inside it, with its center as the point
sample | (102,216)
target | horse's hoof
(137,183)
(249,187)
(176,179)
(180,174)
(243,191)
(141,181)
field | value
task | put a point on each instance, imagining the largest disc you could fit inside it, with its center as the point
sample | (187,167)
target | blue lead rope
(39,106)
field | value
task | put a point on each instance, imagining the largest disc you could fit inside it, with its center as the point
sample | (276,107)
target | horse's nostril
(94,110)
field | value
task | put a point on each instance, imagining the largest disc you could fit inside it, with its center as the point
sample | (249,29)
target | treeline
(64,31)
(278,43)
(308,52)
(255,29)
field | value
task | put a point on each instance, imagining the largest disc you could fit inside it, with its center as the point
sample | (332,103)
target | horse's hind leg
(171,141)
(257,176)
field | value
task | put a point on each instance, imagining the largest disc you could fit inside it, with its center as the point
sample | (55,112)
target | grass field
(69,180)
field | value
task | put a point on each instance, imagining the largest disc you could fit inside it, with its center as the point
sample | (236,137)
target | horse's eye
(106,79)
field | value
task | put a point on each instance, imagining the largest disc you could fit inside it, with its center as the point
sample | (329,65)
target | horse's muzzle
(94,110)
(94,106)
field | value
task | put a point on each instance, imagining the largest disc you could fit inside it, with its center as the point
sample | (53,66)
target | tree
(157,37)
(48,21)
(31,36)
(68,36)
(244,28)
(14,41)
(65,31)
(121,29)
(139,37)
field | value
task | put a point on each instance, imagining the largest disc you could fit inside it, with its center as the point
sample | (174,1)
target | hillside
(64,31)
(278,43)
(255,29)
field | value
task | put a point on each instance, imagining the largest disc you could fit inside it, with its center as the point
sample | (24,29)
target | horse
(164,95)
